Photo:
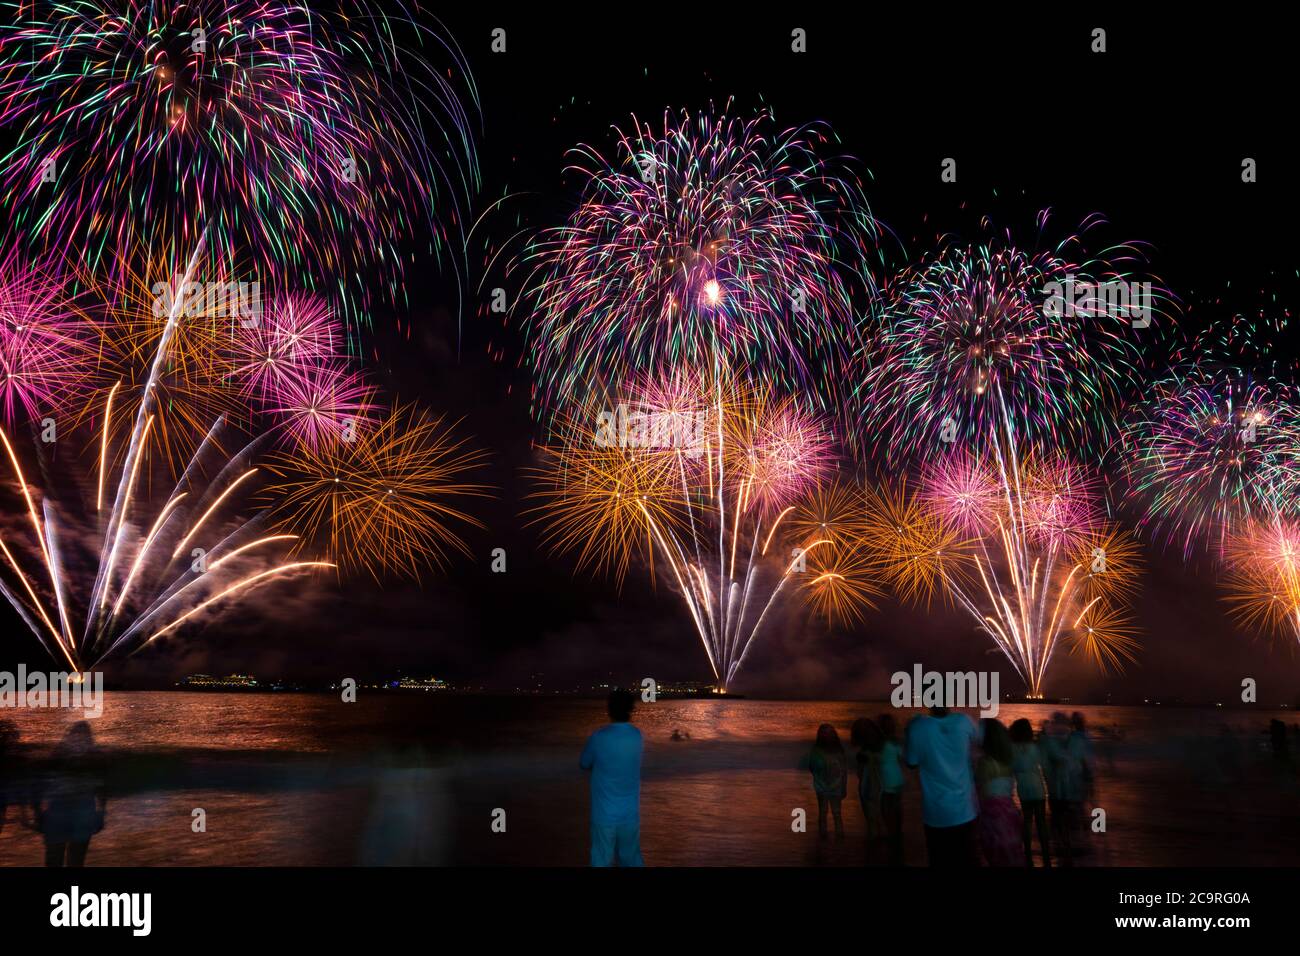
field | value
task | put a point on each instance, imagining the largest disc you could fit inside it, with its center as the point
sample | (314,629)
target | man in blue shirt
(940,746)
(613,755)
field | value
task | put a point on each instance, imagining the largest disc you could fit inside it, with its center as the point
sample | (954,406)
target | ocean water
(305,780)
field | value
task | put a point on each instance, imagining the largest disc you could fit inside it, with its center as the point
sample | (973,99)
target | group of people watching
(971,775)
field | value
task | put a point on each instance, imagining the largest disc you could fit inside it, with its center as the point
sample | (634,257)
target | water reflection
(304,780)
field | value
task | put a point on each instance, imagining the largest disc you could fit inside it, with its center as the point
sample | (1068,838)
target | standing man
(613,755)
(940,746)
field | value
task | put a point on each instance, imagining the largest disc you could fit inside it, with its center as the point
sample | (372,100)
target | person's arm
(912,752)
(588,758)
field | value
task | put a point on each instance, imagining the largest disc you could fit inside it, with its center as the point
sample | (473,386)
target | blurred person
(866,736)
(939,747)
(829,767)
(999,821)
(1027,764)
(891,788)
(613,757)
(70,807)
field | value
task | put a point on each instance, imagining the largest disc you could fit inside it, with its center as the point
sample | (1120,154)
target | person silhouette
(70,807)
(613,758)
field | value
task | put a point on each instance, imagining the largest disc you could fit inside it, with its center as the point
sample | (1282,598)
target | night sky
(1151,135)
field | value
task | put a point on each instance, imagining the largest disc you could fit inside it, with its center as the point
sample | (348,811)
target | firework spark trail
(1037,567)
(122,497)
(703,486)
(394,507)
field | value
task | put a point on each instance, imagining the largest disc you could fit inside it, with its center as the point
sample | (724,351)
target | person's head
(621,703)
(888,726)
(828,740)
(1022,732)
(1079,723)
(8,737)
(866,735)
(997,742)
(78,741)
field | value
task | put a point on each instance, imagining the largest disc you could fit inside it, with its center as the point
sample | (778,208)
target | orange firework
(169,332)
(917,550)
(842,574)
(721,483)
(383,500)
(1039,569)
(1263,579)
(600,498)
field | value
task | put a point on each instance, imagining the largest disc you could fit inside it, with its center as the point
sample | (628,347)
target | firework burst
(383,501)
(711,241)
(151,543)
(46,341)
(1213,451)
(1263,579)
(730,494)
(980,340)
(1023,549)
(297,331)
(293,136)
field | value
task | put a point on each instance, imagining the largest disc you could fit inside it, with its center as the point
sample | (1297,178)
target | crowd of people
(986,789)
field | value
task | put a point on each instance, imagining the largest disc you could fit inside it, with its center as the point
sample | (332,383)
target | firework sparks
(266,107)
(1038,570)
(383,501)
(153,555)
(736,509)
(713,240)
(45,341)
(1214,451)
(970,341)
(297,331)
(1263,578)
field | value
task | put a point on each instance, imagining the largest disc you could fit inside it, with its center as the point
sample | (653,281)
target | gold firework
(1105,636)
(191,383)
(730,506)
(1263,580)
(383,501)
(916,549)
(599,498)
(1110,564)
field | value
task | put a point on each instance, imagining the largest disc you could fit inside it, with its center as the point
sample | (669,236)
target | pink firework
(789,453)
(45,346)
(1059,501)
(965,490)
(322,403)
(296,331)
